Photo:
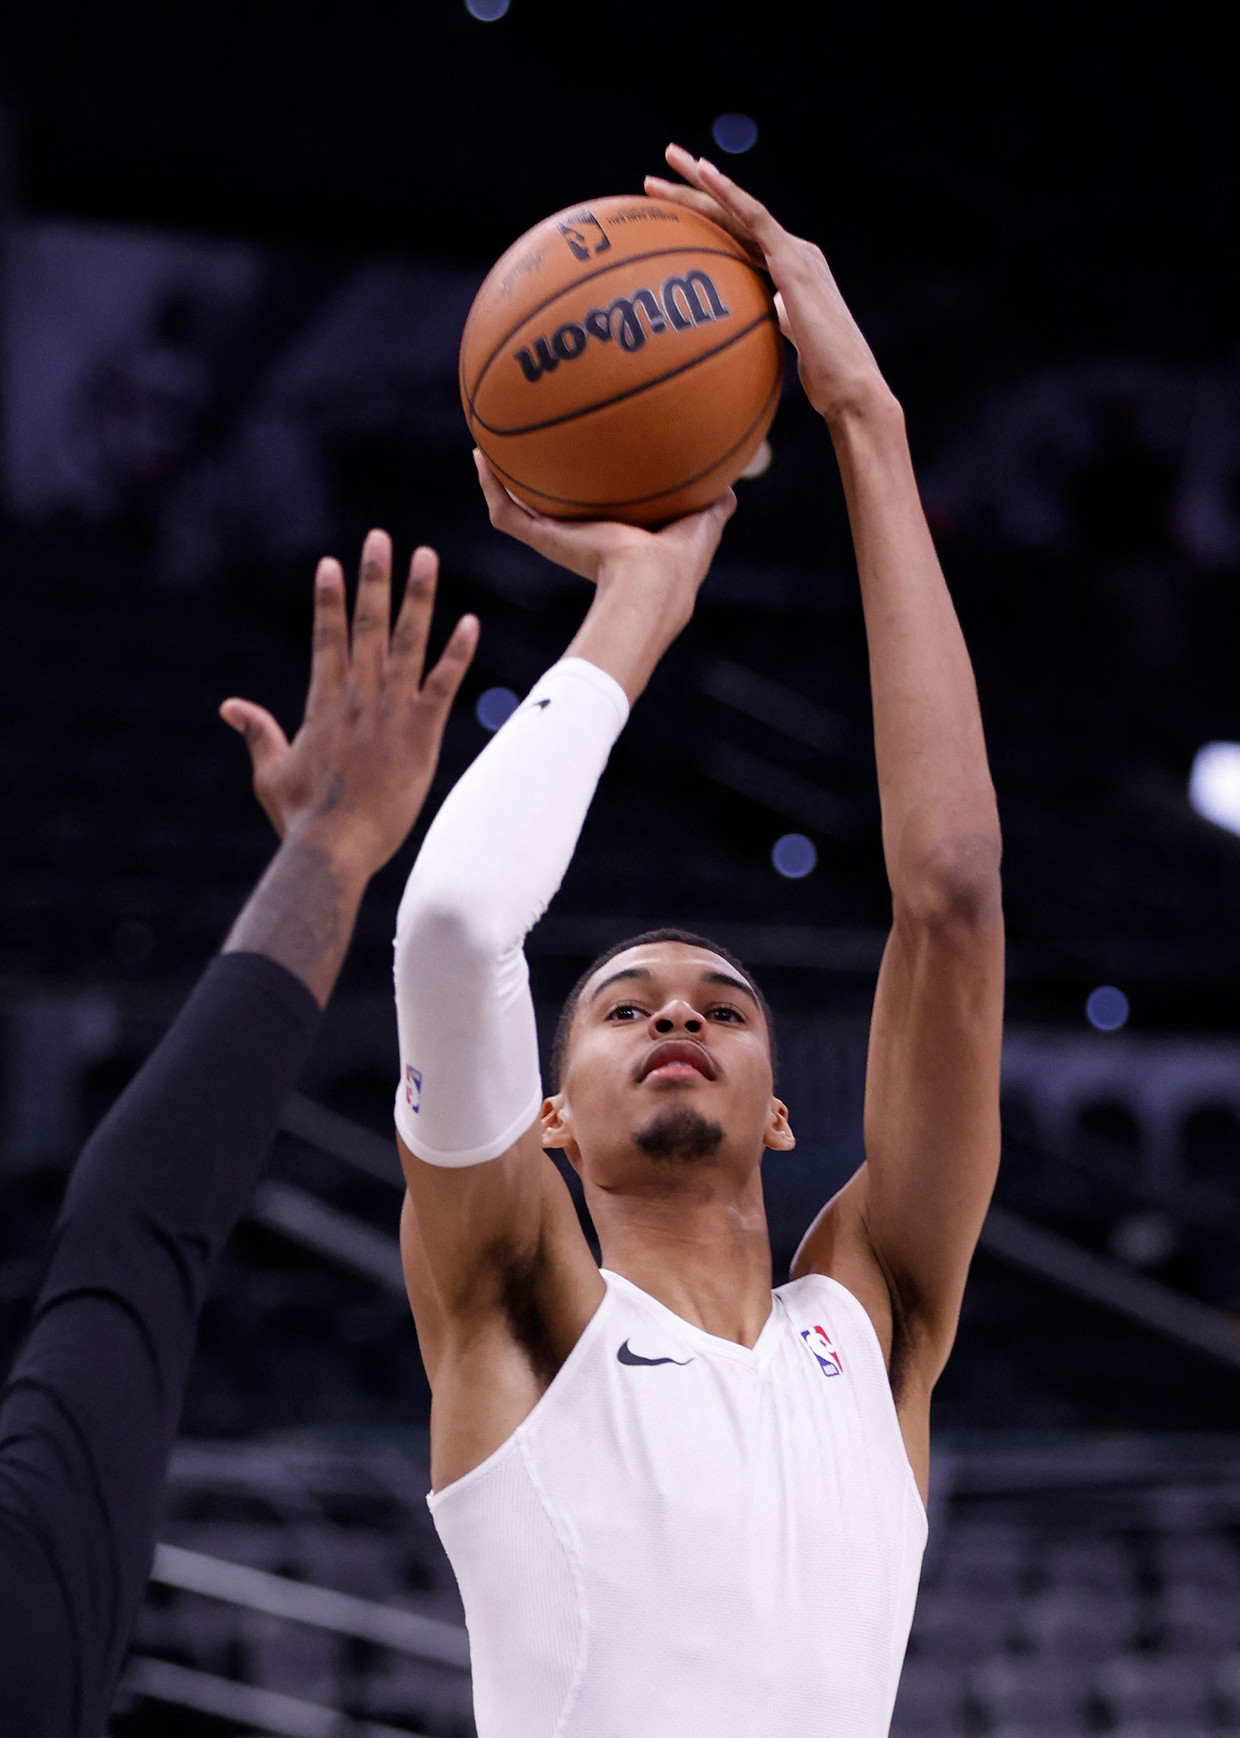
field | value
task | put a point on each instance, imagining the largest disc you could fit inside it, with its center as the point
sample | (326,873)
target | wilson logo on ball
(683,302)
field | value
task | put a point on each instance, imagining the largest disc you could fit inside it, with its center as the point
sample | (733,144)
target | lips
(677,1056)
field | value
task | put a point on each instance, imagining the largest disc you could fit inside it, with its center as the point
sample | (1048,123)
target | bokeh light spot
(495,706)
(1144,1239)
(1107,1008)
(1214,784)
(734,133)
(487,10)
(794,856)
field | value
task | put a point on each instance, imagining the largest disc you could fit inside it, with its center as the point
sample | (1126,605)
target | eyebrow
(628,972)
(732,983)
(644,975)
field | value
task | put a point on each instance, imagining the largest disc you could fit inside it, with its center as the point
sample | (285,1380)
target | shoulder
(816,1300)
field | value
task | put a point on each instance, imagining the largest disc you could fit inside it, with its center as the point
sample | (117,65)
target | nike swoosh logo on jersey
(624,1356)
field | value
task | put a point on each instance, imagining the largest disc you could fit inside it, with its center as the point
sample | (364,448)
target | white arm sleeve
(488,868)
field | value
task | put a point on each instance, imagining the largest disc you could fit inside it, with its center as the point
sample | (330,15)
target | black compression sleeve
(88,1414)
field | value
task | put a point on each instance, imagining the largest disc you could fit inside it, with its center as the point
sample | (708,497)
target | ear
(779,1136)
(557,1127)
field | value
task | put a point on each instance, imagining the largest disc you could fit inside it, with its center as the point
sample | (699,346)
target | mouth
(678,1059)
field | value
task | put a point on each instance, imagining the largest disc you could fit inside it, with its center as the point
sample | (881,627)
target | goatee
(679,1132)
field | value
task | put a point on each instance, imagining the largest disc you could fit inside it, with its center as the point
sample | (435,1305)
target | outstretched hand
(357,772)
(836,365)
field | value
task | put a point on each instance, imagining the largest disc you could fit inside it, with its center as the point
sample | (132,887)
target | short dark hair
(564,1025)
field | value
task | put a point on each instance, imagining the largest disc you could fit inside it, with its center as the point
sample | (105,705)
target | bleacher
(1074,1590)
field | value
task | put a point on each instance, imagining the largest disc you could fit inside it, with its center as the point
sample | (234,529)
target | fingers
(705,206)
(705,526)
(372,612)
(701,173)
(413,624)
(506,514)
(711,520)
(263,736)
(686,164)
(547,536)
(329,659)
(441,686)
(781,314)
(693,197)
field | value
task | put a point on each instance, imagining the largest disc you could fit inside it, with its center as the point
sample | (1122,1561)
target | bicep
(465,1230)
(932,1111)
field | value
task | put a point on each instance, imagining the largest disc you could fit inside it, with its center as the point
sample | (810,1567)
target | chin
(679,1133)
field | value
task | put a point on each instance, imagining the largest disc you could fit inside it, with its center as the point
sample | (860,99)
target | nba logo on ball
(819,1342)
(585,235)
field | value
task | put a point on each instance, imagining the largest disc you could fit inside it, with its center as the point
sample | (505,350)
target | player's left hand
(357,772)
(836,365)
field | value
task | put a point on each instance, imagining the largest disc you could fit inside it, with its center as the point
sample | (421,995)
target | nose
(676,1016)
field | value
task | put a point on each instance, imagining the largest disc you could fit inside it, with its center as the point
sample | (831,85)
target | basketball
(623,360)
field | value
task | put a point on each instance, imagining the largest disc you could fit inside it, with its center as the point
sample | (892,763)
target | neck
(704,1252)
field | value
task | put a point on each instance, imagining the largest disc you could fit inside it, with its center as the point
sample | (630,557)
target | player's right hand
(667,566)
(590,547)
(836,365)
(356,774)
(646,582)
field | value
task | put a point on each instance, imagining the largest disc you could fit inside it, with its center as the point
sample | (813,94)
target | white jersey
(688,1538)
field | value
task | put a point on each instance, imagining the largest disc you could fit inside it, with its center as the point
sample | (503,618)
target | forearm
(938,802)
(90,1409)
(488,868)
(303,911)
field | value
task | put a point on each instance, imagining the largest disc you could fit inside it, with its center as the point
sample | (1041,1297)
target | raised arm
(88,1414)
(903,1231)
(345,792)
(500,1278)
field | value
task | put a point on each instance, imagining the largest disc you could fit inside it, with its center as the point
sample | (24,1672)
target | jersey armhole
(550,1397)
(860,1316)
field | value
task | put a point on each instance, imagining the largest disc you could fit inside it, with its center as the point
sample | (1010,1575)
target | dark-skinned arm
(90,1409)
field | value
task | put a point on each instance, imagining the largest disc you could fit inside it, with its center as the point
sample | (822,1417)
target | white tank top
(688,1538)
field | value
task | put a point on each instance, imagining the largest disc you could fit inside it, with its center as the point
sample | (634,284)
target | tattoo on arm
(301,915)
(333,794)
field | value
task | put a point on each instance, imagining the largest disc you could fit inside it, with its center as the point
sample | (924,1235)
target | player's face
(668,1064)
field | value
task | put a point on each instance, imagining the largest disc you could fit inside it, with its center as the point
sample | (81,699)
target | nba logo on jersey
(819,1342)
(413,1088)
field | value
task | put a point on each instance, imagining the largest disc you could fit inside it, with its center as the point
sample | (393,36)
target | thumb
(263,736)
(707,526)
(781,312)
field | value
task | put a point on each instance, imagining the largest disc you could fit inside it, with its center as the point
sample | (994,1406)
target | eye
(725,1013)
(627,1011)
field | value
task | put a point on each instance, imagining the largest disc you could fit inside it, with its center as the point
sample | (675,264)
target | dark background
(237,246)
(1034,219)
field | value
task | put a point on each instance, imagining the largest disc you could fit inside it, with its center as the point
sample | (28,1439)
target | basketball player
(680,1504)
(88,1413)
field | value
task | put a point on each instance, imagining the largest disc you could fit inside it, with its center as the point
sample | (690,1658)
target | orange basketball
(622,361)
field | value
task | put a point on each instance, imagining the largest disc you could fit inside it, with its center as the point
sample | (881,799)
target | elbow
(953,888)
(441,929)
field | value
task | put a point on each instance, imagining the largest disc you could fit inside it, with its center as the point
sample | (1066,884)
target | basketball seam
(658,494)
(599,271)
(629,391)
